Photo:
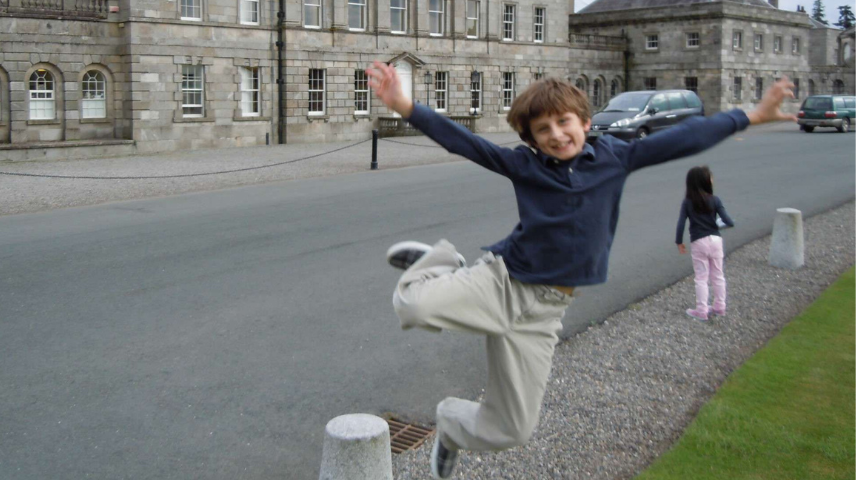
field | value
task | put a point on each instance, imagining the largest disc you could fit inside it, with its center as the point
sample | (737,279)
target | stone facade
(183,74)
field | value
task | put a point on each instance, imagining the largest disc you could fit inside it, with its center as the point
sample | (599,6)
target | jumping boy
(568,194)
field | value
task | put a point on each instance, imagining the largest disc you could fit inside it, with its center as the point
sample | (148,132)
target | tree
(817,12)
(845,17)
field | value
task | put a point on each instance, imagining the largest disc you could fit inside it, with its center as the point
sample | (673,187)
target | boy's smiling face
(560,136)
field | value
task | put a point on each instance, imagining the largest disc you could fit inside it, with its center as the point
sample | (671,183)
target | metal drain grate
(403,436)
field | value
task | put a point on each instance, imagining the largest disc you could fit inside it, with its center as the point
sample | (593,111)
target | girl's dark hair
(699,188)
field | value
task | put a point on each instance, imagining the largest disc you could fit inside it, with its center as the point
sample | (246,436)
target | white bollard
(786,247)
(356,447)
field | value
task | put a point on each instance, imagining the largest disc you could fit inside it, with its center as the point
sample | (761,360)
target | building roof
(816,24)
(617,5)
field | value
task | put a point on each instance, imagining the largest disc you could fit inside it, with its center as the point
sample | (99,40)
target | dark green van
(837,111)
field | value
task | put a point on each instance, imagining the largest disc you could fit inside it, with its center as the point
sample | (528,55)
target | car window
(627,102)
(692,100)
(818,103)
(850,102)
(839,102)
(659,102)
(676,100)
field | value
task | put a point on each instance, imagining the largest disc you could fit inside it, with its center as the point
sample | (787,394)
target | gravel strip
(622,392)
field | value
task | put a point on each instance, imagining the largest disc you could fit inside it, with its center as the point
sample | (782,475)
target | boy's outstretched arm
(697,134)
(453,137)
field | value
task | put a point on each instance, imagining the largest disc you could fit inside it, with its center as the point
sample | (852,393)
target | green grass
(787,413)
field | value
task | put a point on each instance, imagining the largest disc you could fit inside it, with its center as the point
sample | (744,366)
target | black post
(374,149)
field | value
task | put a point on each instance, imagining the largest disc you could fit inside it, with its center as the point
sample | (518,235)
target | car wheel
(641,133)
(845,126)
(808,129)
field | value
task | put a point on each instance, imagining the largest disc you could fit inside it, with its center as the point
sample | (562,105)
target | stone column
(356,447)
(787,246)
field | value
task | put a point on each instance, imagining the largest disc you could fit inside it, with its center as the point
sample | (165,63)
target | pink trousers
(708,257)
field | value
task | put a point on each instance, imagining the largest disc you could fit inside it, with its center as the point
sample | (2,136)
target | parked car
(639,114)
(835,111)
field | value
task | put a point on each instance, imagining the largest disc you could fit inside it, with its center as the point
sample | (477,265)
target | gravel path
(622,392)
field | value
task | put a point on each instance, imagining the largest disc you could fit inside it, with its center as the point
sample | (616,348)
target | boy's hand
(682,249)
(384,81)
(769,109)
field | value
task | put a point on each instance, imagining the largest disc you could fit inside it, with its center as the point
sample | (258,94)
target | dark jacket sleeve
(689,137)
(460,141)
(682,221)
(720,210)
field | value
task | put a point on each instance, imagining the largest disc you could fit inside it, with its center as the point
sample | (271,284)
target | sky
(830,7)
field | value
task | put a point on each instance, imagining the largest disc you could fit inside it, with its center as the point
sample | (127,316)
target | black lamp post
(474,80)
(429,79)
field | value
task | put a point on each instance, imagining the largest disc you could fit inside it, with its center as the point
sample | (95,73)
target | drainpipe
(280,80)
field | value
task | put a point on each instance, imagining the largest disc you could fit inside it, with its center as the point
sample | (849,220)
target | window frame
(596,92)
(777,43)
(652,42)
(320,8)
(102,101)
(543,30)
(187,90)
(476,89)
(441,79)
(258,12)
(737,89)
(796,82)
(49,97)
(476,18)
(363,7)
(360,78)
(737,40)
(323,90)
(647,82)
(254,92)
(402,12)
(509,24)
(441,23)
(697,40)
(758,42)
(187,6)
(507,93)
(759,88)
(687,84)
(795,45)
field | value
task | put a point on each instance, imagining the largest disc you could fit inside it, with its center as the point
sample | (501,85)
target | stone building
(105,77)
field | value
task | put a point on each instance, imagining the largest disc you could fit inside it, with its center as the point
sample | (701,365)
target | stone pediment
(407,57)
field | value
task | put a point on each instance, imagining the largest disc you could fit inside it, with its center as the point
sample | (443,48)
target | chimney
(774,3)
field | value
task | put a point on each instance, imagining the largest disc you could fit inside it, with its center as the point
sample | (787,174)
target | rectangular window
(540,14)
(795,46)
(361,92)
(473,7)
(796,88)
(508,22)
(777,44)
(759,42)
(650,83)
(250,12)
(759,88)
(312,13)
(693,40)
(192,90)
(507,90)
(357,14)
(398,16)
(94,95)
(475,92)
(738,88)
(538,76)
(317,92)
(441,88)
(737,41)
(42,106)
(436,16)
(691,84)
(250,92)
(191,9)
(652,42)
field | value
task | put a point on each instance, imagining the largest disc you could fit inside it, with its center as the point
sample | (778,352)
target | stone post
(786,247)
(356,447)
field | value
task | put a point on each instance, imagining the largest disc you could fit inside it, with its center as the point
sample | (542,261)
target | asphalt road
(213,335)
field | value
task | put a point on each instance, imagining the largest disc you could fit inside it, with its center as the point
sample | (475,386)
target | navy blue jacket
(701,224)
(569,209)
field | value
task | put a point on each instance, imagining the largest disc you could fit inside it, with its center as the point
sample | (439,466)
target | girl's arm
(720,210)
(682,221)
(453,137)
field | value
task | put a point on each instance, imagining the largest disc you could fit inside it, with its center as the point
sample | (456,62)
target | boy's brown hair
(545,97)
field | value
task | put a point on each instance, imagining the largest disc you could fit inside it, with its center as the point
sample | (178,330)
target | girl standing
(701,206)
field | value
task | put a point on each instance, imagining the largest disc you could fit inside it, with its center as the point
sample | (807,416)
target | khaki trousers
(522,323)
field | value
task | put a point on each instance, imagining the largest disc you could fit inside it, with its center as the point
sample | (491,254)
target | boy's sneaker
(718,313)
(443,460)
(696,314)
(404,254)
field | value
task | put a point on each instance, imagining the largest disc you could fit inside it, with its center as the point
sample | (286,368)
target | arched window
(94,101)
(42,101)
(847,52)
(581,84)
(613,88)
(837,87)
(595,94)
(811,87)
